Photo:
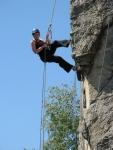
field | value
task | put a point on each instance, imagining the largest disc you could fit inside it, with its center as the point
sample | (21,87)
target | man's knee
(54,42)
(60,59)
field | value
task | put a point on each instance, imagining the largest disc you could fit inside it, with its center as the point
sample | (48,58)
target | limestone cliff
(92,50)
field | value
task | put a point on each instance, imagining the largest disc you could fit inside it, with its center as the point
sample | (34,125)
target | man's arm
(36,51)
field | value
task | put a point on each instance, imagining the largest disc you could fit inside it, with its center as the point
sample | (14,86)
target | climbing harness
(42,131)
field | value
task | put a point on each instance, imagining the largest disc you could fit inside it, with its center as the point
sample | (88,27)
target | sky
(21,71)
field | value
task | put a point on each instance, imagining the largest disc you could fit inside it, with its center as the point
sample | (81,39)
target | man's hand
(47,36)
(47,39)
(45,45)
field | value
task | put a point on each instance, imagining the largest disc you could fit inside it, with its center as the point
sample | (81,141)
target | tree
(61,118)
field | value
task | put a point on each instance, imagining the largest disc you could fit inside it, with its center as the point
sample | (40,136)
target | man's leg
(54,45)
(62,63)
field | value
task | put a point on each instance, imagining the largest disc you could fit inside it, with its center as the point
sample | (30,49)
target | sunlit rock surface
(92,50)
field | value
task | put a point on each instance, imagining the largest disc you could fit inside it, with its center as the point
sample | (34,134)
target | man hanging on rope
(46,50)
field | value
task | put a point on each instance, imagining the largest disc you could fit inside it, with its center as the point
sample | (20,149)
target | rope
(42,109)
(99,91)
(42,136)
(82,26)
(74,100)
(53,12)
(74,104)
(103,60)
(51,20)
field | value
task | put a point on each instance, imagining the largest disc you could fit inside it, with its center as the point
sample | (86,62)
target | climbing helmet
(35,31)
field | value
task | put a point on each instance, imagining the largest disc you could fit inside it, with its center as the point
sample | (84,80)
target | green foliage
(61,118)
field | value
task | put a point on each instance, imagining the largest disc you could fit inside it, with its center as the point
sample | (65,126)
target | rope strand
(53,12)
(42,136)
(51,20)
(103,61)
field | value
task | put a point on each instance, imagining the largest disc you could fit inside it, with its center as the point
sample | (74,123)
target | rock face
(92,50)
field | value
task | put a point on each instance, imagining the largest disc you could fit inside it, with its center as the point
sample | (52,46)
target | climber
(46,50)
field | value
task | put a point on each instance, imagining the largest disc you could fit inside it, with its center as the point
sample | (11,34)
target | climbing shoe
(74,68)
